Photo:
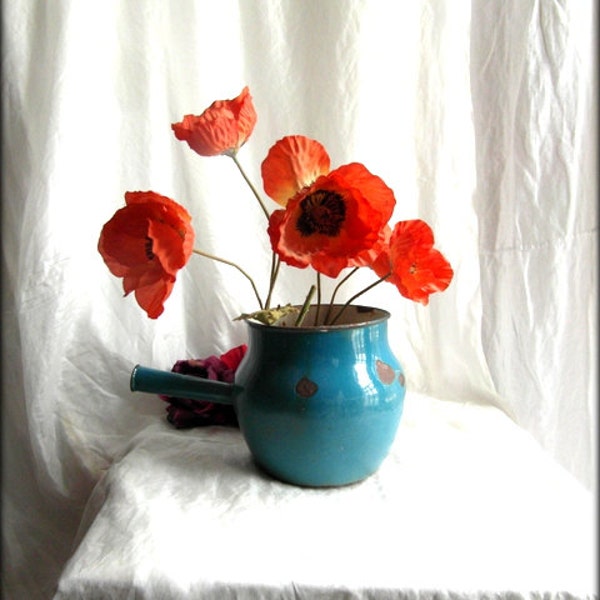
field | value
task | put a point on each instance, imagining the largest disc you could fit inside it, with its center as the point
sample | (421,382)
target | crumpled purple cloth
(185,413)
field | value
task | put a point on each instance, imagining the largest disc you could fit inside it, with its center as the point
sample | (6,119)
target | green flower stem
(275,262)
(369,287)
(232,264)
(335,291)
(318,298)
(250,185)
(305,306)
(274,259)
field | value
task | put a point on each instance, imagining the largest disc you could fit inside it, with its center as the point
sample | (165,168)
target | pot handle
(145,379)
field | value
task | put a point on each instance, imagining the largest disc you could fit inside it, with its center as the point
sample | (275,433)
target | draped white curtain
(480,115)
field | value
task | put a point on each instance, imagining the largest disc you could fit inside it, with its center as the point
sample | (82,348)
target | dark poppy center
(322,212)
(148,248)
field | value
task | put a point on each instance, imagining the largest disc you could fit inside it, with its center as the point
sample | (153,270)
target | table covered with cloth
(466,505)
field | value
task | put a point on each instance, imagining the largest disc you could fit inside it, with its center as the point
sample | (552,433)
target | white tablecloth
(465,505)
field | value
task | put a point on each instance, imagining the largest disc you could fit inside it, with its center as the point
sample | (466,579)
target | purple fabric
(185,413)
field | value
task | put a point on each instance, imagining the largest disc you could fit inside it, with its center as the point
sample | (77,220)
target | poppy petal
(376,254)
(292,163)
(167,246)
(152,297)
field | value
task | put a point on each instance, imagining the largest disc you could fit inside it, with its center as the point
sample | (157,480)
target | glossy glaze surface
(320,406)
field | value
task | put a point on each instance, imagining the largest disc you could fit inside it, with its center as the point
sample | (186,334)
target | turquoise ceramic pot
(317,405)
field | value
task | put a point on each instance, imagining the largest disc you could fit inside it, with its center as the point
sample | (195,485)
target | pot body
(320,406)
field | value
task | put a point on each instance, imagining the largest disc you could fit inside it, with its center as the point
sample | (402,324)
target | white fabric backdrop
(481,116)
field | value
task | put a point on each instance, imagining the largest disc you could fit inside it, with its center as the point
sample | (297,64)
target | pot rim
(371,315)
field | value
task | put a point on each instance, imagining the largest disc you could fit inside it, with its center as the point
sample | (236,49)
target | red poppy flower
(329,218)
(417,268)
(222,128)
(146,243)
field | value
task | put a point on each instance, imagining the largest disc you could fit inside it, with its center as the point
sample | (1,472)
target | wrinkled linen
(481,116)
(466,506)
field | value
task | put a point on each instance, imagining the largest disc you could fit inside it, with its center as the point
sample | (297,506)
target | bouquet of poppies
(332,220)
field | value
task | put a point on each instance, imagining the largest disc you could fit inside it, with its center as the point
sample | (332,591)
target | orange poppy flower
(222,128)
(146,243)
(330,218)
(416,268)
